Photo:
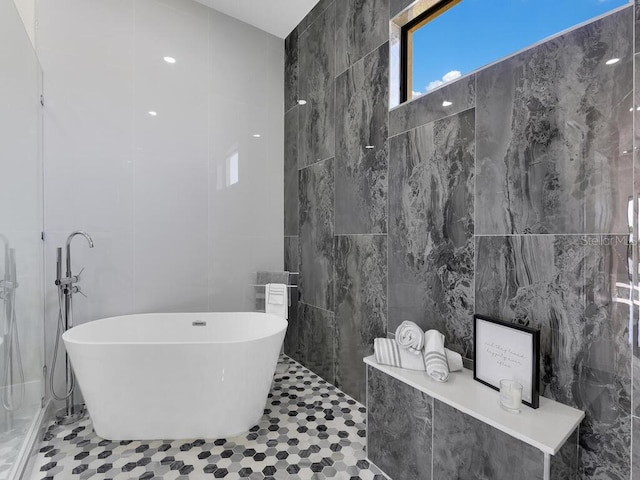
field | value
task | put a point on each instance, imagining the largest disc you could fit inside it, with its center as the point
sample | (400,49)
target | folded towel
(275,299)
(454,360)
(435,358)
(410,336)
(277,293)
(264,277)
(388,352)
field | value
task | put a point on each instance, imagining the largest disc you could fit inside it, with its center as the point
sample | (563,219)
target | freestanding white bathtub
(175,375)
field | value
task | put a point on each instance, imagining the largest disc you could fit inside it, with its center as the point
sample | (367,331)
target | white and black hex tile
(310,430)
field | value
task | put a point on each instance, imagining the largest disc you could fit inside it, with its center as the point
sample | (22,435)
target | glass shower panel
(21,249)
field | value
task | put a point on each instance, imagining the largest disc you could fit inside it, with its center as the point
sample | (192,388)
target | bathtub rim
(67,337)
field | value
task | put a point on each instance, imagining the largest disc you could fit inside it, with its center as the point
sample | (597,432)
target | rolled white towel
(435,358)
(388,352)
(410,336)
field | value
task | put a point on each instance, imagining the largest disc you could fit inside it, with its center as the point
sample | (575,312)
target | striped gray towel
(435,358)
(410,336)
(388,352)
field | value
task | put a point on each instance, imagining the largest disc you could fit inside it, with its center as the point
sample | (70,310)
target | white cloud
(452,75)
(415,94)
(447,77)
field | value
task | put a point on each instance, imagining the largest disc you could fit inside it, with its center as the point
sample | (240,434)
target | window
(455,37)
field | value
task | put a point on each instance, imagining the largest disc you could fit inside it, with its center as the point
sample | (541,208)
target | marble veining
(316,255)
(467,449)
(317,340)
(554,132)
(361,306)
(362,96)
(553,127)
(635,454)
(399,428)
(429,108)
(291,70)
(316,85)
(361,27)
(431,228)
(291,172)
(635,333)
(566,286)
(313,15)
(637,21)
(564,464)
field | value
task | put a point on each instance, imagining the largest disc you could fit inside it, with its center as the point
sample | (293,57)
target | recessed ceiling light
(302,102)
(256,135)
(169,59)
(447,103)
(152,113)
(611,61)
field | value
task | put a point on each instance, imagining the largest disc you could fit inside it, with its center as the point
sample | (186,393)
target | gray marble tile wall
(335,187)
(552,123)
(564,464)
(566,286)
(361,304)
(636,448)
(468,449)
(399,427)
(360,29)
(316,253)
(317,340)
(635,330)
(510,202)
(291,172)
(428,108)
(431,212)
(316,85)
(413,436)
(362,156)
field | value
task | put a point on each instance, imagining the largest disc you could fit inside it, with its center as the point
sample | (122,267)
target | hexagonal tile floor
(310,430)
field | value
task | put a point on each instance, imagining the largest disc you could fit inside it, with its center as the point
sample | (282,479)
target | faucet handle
(79,273)
(73,289)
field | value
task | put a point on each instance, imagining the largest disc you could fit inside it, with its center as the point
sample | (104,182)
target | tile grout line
(453,114)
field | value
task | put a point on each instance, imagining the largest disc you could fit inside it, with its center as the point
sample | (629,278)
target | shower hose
(55,356)
(12,343)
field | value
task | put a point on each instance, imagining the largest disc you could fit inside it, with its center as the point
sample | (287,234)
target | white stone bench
(546,429)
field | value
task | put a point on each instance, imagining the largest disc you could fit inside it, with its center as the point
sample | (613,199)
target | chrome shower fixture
(10,338)
(67,286)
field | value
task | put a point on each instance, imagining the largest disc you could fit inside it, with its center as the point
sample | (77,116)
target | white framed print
(507,351)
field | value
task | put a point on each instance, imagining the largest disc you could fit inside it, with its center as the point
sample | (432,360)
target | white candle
(510,395)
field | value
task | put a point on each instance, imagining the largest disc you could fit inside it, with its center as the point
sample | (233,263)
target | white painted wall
(27,11)
(171,233)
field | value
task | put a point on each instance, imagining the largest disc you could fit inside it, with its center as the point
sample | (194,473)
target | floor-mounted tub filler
(175,375)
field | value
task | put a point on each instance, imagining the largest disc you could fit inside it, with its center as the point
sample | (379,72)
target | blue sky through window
(475,33)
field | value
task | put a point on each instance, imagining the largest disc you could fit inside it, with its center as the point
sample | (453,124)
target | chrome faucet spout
(69,238)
